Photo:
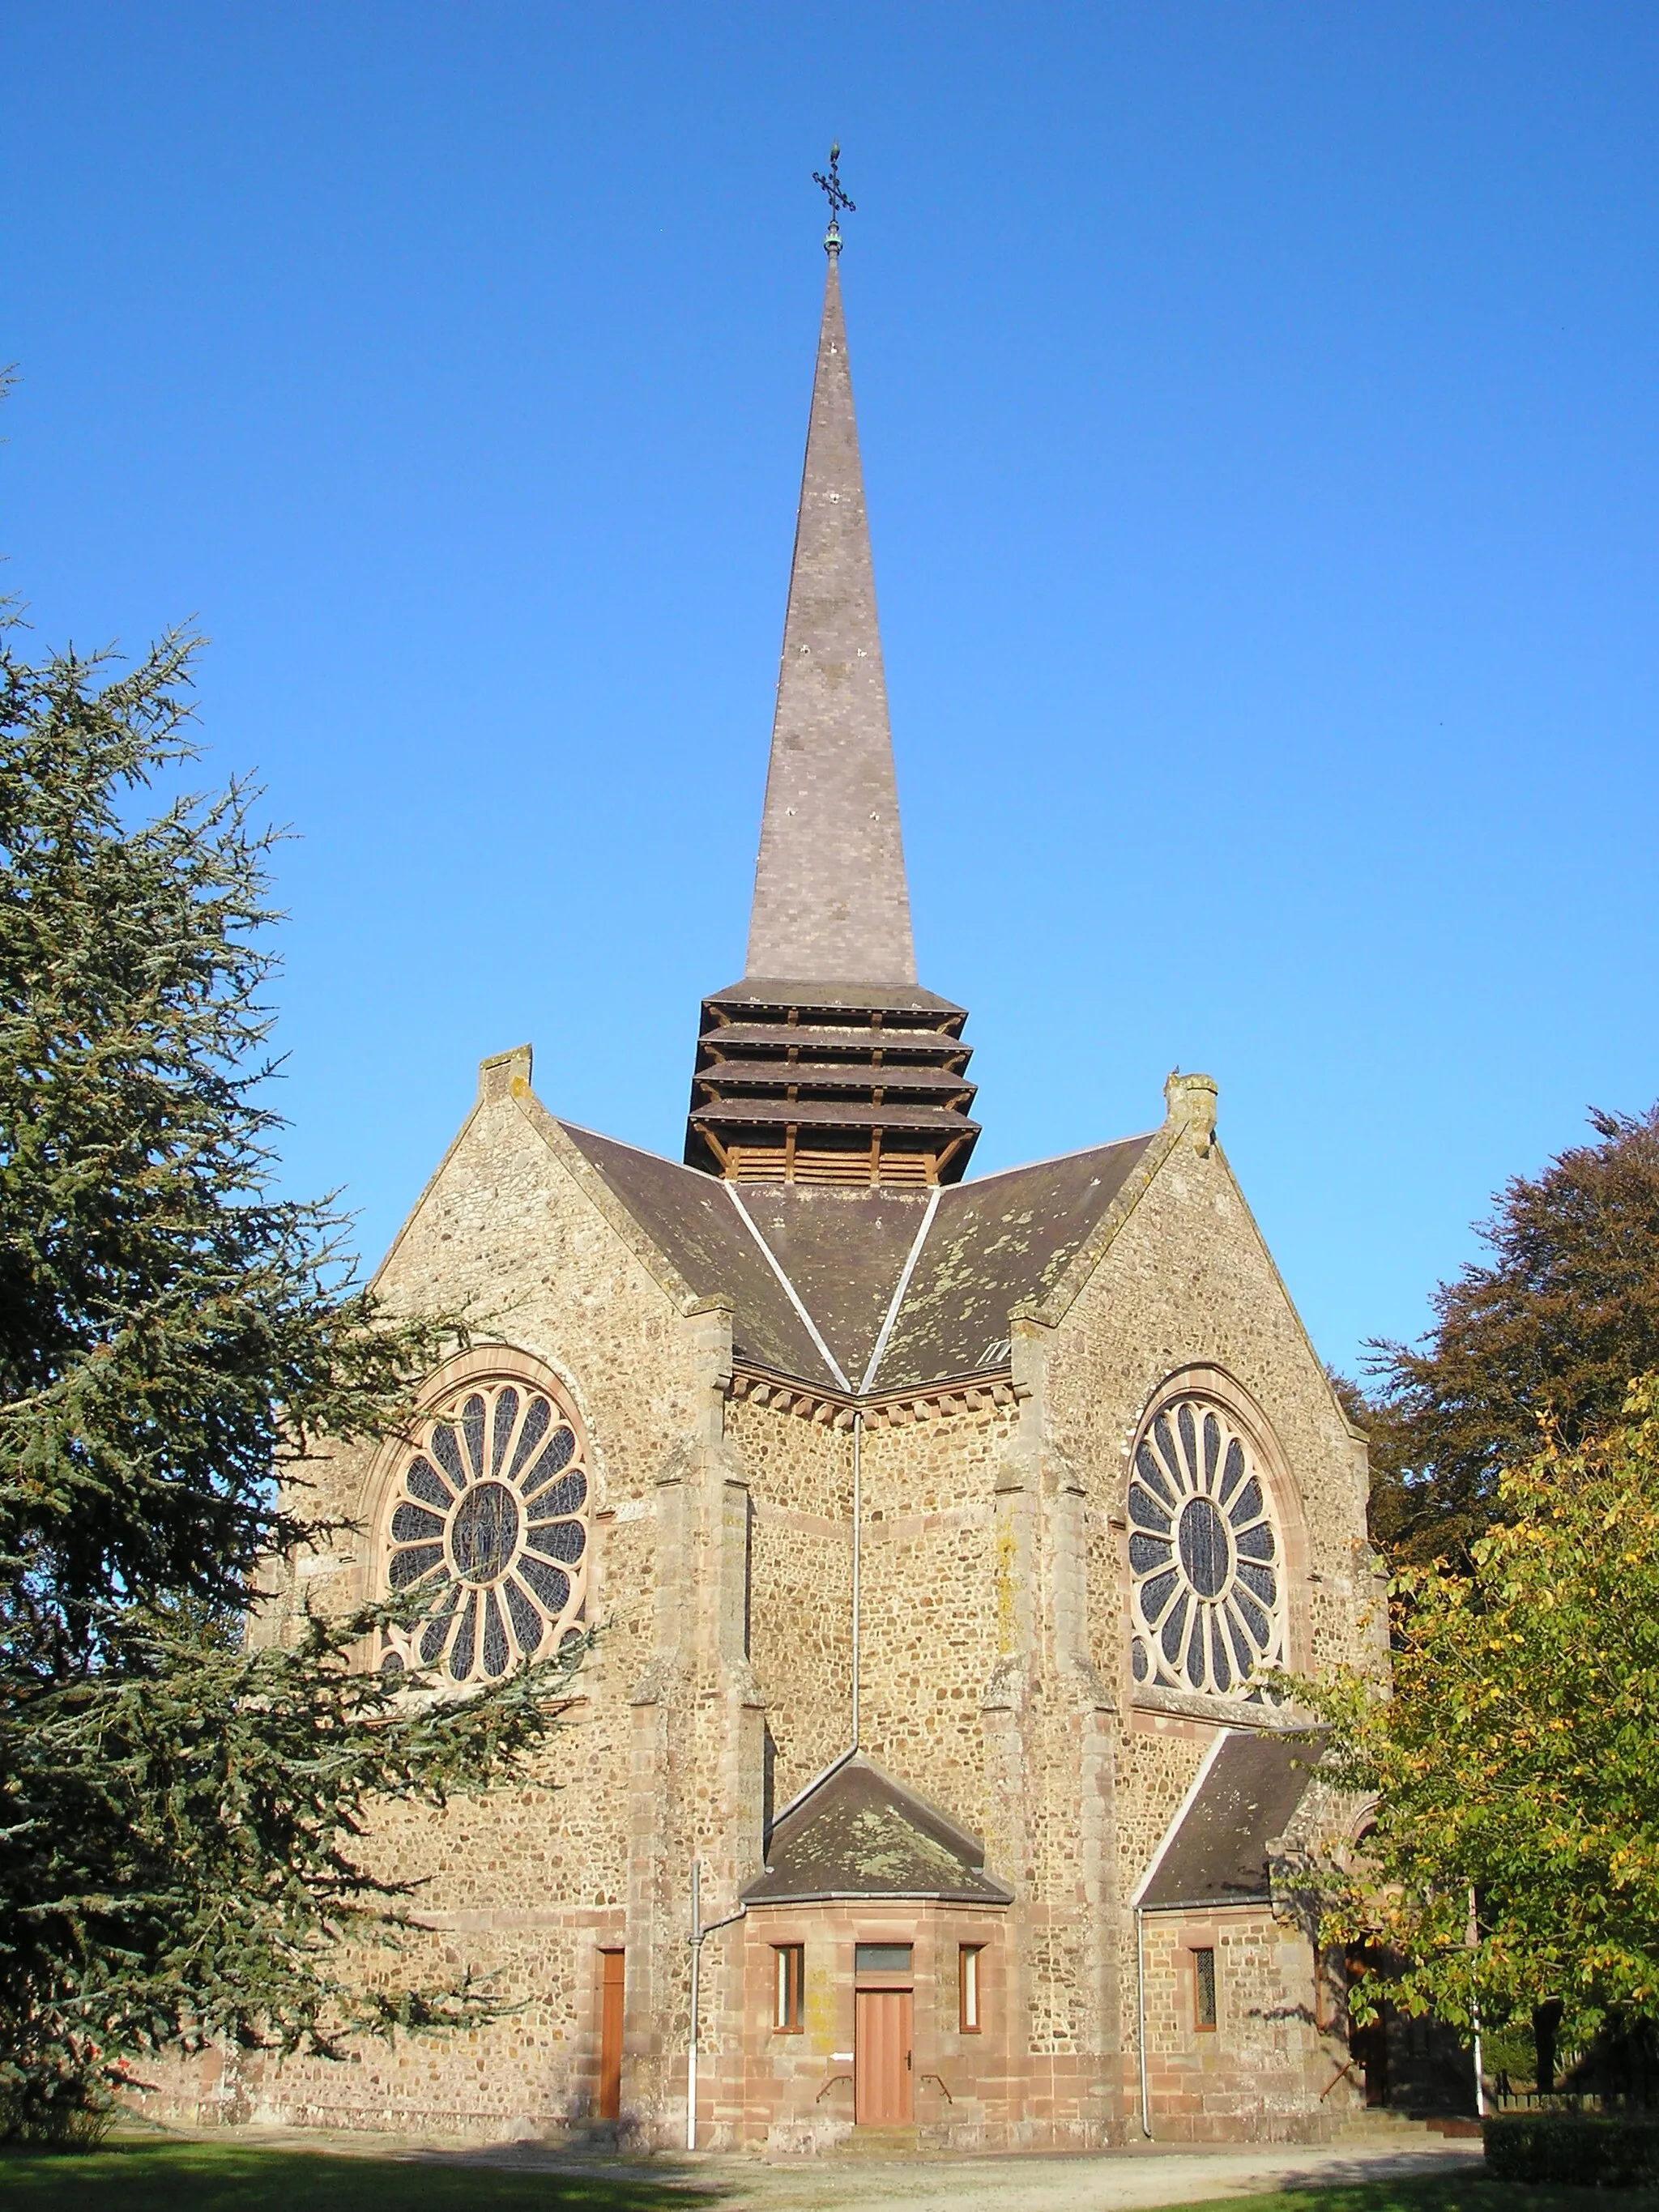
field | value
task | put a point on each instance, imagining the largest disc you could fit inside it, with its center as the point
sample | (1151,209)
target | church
(936,1533)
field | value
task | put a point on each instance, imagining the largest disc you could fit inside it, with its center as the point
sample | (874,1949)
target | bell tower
(827,1063)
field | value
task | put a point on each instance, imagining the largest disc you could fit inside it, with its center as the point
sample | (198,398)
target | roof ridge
(790,1291)
(663,1159)
(1053,1159)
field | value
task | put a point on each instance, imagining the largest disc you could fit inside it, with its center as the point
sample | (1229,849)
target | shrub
(65,2115)
(1610,2152)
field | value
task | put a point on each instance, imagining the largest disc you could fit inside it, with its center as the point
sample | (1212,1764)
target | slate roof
(693,1223)
(1216,1852)
(992,1244)
(824,1041)
(858,1833)
(829,1074)
(779,993)
(844,1251)
(833,1114)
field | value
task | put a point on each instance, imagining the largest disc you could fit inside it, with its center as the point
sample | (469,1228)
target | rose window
(1203,1555)
(489,1516)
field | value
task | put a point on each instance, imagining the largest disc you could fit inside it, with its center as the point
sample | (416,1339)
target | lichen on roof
(859,1834)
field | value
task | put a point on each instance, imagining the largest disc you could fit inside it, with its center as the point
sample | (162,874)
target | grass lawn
(1460,2192)
(195,2177)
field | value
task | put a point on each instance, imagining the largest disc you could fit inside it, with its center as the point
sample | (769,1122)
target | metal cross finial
(830,187)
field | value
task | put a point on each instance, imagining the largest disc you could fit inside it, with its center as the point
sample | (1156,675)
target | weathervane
(830,187)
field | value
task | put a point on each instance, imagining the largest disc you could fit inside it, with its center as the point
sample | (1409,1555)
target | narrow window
(1204,1990)
(968,1988)
(789,1963)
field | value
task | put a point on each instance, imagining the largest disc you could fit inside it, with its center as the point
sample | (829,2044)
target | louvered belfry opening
(797,1083)
(829,1063)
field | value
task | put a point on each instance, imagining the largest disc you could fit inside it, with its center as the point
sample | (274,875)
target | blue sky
(1258,407)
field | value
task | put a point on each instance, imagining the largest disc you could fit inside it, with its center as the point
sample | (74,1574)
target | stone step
(1381,2123)
(869,2140)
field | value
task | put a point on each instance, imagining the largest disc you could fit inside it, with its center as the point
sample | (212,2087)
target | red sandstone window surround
(968,2002)
(1205,1556)
(1204,2005)
(789,1984)
(488,1523)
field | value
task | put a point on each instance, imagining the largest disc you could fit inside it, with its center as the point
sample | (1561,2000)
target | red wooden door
(610,2033)
(881,2057)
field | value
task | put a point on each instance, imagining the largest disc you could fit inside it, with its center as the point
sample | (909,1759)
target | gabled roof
(1215,1851)
(844,1251)
(692,1221)
(993,1243)
(858,1833)
(990,1244)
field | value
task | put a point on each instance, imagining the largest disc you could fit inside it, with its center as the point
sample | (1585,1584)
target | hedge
(1597,2152)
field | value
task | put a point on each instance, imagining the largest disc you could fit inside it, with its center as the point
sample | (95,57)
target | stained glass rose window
(488,1517)
(1204,1559)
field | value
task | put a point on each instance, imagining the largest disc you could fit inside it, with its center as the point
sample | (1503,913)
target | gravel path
(1109,2181)
(1131,2180)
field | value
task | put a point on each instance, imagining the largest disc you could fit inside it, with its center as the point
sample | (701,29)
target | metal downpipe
(1140,2019)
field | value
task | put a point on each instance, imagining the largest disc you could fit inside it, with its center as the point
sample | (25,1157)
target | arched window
(1205,1559)
(489,1516)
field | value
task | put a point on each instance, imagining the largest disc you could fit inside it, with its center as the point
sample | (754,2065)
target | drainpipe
(696,1992)
(858,1510)
(695,1940)
(1140,2018)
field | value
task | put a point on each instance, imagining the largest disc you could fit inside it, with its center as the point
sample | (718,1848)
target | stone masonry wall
(1265,2072)
(800,1579)
(930,1603)
(524,1886)
(994,1680)
(1187,1288)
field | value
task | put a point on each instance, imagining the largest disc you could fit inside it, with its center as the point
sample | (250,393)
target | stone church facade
(934,1530)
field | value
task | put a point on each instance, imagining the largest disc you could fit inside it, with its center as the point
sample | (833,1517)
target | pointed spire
(827,1063)
(831,904)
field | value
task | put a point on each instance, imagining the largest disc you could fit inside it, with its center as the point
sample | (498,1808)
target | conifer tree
(181,1817)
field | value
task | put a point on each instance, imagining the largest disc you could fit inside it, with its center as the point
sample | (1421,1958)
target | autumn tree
(1543,1338)
(1512,1761)
(181,1818)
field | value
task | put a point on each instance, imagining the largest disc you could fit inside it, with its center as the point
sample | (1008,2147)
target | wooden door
(1369,2045)
(882,2072)
(610,2033)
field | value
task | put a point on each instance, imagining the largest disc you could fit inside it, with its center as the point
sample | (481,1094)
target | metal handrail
(1341,2073)
(829,2084)
(939,2078)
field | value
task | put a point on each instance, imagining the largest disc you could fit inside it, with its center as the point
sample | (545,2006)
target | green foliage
(78,2117)
(169,1331)
(1615,2152)
(181,1818)
(1540,1342)
(1514,1755)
